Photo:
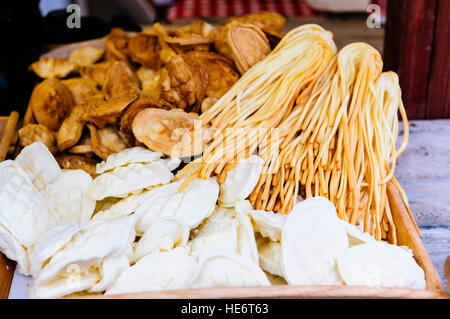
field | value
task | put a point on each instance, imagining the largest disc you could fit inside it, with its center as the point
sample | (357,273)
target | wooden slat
(6,274)
(439,87)
(8,134)
(447,271)
(7,131)
(408,42)
(280,292)
(3,122)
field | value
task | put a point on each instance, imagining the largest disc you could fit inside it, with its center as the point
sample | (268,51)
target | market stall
(242,158)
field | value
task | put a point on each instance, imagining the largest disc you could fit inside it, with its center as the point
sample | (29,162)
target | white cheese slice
(355,235)
(240,181)
(12,249)
(164,234)
(225,230)
(49,244)
(168,270)
(195,203)
(124,180)
(268,224)
(218,232)
(114,264)
(74,279)
(379,264)
(225,269)
(68,196)
(90,261)
(246,238)
(270,256)
(136,154)
(311,239)
(23,211)
(171,162)
(123,207)
(39,164)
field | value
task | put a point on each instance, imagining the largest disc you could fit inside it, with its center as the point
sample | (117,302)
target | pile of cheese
(131,230)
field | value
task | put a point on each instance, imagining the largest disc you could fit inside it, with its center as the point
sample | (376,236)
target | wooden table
(424,172)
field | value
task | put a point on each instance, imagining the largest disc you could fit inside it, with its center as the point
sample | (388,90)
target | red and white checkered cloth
(189,9)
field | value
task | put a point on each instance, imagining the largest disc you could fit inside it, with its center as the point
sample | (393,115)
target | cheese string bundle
(324,124)
(291,68)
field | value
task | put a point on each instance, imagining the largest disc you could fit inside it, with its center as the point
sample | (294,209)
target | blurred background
(410,34)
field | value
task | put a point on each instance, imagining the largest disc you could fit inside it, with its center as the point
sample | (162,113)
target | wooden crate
(406,235)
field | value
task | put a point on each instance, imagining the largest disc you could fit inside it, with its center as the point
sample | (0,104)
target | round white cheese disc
(311,240)
(379,264)
(225,269)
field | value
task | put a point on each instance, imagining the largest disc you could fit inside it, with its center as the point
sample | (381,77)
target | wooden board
(408,236)
(282,292)
(8,126)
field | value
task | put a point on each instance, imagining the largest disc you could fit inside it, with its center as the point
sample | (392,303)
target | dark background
(25,34)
